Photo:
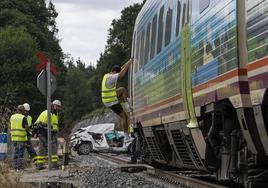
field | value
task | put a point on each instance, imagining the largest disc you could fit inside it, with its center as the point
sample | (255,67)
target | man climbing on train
(112,96)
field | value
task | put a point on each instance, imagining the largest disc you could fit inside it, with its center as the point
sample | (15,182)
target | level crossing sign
(46,83)
(45,75)
(42,82)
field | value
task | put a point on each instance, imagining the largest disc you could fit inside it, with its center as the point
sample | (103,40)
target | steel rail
(170,177)
(112,158)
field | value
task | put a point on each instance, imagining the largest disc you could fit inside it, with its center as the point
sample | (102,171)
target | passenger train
(199,87)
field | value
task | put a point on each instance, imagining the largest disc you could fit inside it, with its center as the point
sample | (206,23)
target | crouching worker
(18,126)
(42,124)
(112,97)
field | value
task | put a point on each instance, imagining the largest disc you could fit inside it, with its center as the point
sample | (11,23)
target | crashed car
(99,138)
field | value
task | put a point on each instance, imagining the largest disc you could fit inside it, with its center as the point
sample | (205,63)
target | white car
(99,138)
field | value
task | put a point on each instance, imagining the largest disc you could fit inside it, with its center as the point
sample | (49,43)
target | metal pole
(48,113)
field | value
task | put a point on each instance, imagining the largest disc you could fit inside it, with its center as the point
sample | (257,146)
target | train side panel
(156,79)
(214,51)
(257,67)
(199,95)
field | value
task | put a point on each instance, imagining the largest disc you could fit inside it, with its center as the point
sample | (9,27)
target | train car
(199,86)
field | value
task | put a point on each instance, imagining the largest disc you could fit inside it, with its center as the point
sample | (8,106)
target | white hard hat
(56,102)
(26,106)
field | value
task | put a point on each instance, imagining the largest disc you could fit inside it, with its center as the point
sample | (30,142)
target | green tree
(87,80)
(118,47)
(16,64)
(16,57)
(27,26)
(78,95)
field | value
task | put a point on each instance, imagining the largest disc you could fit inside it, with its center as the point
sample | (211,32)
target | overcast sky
(83,25)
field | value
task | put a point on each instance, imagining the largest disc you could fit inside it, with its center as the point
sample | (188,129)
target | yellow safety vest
(18,133)
(108,94)
(29,120)
(54,120)
(130,129)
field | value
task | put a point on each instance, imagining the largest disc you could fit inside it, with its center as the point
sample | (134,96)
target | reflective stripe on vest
(43,119)
(108,94)
(18,133)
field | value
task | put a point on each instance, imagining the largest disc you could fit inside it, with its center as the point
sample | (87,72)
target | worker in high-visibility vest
(112,96)
(130,130)
(18,126)
(42,123)
(29,146)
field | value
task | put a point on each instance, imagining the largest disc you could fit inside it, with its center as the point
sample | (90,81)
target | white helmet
(56,102)
(26,106)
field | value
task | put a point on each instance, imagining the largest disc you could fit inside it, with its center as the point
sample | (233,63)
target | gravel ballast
(91,171)
(101,173)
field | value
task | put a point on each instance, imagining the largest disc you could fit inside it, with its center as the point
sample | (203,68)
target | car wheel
(85,148)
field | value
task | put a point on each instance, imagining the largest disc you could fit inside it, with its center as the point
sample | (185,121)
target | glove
(37,128)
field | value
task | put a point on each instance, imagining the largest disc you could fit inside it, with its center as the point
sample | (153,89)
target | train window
(153,37)
(178,18)
(203,5)
(183,14)
(147,42)
(160,30)
(168,26)
(142,50)
(137,53)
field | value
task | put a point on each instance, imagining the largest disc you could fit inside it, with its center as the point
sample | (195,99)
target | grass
(10,178)
(7,178)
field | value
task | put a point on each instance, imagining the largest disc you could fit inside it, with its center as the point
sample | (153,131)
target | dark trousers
(30,149)
(18,155)
(135,148)
(43,149)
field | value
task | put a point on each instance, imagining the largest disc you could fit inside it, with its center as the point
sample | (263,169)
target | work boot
(40,167)
(55,166)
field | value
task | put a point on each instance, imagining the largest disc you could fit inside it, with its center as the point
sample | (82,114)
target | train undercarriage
(227,156)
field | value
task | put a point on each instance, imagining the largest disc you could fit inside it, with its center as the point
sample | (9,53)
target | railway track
(167,176)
